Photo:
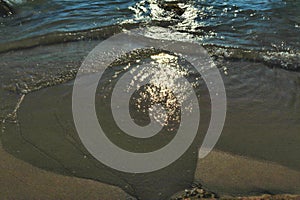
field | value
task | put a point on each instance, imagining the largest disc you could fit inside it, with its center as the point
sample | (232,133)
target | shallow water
(252,43)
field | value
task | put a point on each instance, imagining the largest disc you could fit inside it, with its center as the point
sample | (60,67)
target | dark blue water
(262,24)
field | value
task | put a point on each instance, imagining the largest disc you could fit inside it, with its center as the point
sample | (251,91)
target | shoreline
(22,180)
(254,46)
(223,173)
(250,178)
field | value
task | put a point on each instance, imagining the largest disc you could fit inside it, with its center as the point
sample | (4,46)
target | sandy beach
(228,175)
(20,180)
(252,47)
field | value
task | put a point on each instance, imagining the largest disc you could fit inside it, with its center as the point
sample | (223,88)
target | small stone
(194,192)
(200,191)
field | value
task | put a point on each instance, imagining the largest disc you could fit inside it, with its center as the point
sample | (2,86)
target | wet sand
(219,172)
(20,180)
(229,174)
